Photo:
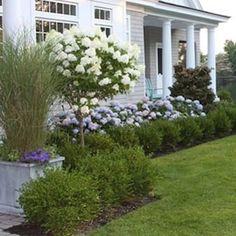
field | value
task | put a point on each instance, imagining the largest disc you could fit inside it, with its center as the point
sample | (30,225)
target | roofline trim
(190,8)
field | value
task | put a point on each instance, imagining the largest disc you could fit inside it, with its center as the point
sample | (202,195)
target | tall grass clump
(27,89)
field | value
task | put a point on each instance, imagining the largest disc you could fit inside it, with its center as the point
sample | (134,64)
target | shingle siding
(137,37)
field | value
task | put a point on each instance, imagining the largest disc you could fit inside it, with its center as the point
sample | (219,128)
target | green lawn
(198,195)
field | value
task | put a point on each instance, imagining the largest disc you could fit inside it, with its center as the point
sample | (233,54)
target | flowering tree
(92,67)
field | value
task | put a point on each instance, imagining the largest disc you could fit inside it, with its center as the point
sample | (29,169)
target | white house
(158,27)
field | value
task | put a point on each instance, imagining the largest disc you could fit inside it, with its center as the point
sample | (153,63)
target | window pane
(108,32)
(66,9)
(39,37)
(60,27)
(73,10)
(0,21)
(0,2)
(66,26)
(39,26)
(45,26)
(102,16)
(38,5)
(53,7)
(108,15)
(96,13)
(59,8)
(53,26)
(46,6)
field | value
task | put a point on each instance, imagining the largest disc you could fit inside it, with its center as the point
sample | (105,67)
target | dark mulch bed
(106,216)
(27,230)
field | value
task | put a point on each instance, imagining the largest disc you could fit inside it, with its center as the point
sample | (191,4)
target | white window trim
(103,23)
(51,20)
(62,2)
(128,28)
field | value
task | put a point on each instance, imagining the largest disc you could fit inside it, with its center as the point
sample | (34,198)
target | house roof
(168,2)
(193,12)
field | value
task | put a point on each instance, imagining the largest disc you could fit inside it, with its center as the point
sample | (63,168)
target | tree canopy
(230,50)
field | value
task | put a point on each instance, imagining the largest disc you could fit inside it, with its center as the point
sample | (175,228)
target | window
(45,7)
(44,26)
(102,14)
(59,8)
(102,18)
(55,7)
(0,2)
(107,30)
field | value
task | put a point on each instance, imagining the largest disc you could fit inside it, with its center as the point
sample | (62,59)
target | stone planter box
(13,175)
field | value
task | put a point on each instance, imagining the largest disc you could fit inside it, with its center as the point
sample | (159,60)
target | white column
(212,57)
(167,57)
(18,17)
(190,62)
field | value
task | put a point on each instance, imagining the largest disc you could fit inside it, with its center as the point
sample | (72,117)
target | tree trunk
(81,128)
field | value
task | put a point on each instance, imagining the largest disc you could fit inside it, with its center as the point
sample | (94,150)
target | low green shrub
(224,95)
(124,136)
(222,123)
(72,152)
(122,174)
(207,126)
(150,138)
(231,113)
(170,134)
(190,131)
(111,175)
(60,201)
(139,168)
(57,137)
(99,142)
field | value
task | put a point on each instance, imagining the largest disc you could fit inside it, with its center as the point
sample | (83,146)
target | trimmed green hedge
(112,168)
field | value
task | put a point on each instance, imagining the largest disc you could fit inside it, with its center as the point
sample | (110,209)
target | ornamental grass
(27,89)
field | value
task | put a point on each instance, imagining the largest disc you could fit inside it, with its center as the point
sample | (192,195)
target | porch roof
(182,13)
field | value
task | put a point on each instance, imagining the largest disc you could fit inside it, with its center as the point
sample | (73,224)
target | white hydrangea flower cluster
(135,114)
(93,66)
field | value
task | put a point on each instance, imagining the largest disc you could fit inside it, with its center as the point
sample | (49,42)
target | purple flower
(39,155)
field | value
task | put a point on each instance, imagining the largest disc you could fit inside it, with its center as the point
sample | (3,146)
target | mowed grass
(197,187)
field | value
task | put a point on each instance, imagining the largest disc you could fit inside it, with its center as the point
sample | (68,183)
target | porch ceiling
(156,21)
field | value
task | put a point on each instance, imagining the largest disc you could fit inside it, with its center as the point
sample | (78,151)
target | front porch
(163,34)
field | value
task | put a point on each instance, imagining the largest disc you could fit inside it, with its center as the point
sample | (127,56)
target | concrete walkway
(8,221)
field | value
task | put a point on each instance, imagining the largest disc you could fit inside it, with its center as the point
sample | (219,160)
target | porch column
(167,57)
(212,57)
(190,62)
(18,17)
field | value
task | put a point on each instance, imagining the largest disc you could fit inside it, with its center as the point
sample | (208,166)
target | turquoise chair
(151,92)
